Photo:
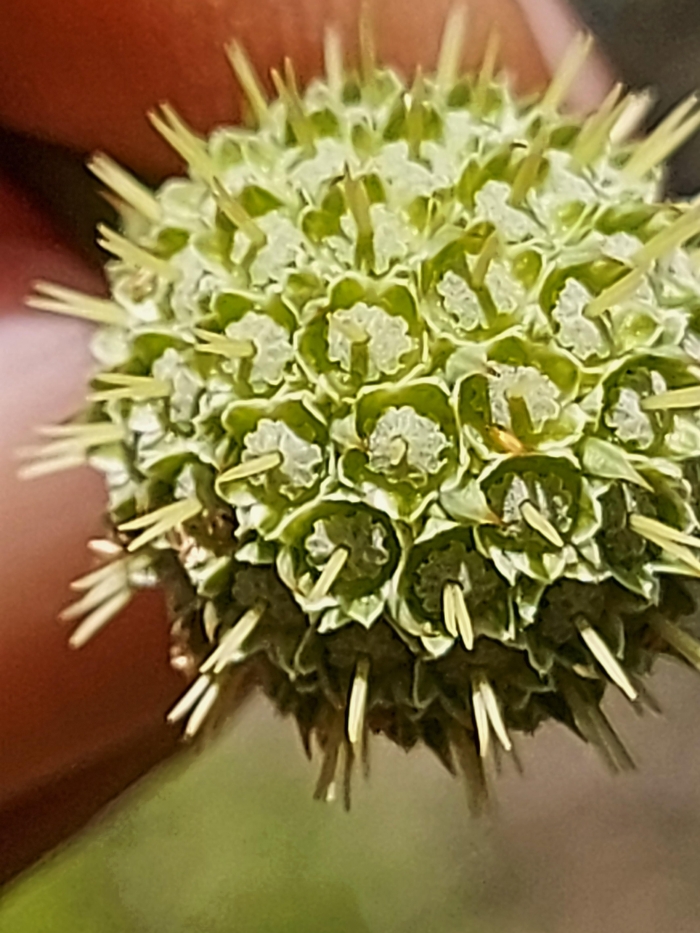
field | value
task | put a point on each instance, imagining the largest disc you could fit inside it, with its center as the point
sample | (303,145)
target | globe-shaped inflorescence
(399,398)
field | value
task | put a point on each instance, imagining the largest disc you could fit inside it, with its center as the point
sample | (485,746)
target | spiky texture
(399,399)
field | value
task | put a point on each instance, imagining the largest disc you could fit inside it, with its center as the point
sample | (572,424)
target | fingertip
(60,708)
(85,74)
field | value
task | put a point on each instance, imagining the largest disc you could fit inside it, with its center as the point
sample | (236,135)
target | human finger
(84,74)
(59,709)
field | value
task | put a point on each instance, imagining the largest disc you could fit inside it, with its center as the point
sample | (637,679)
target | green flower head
(397,394)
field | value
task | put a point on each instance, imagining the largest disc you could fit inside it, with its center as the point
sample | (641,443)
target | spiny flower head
(398,396)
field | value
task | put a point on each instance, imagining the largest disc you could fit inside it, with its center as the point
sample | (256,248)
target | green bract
(398,395)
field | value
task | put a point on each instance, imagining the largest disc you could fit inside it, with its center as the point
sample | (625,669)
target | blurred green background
(230,839)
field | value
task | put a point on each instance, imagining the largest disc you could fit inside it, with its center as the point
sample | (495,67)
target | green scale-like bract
(405,417)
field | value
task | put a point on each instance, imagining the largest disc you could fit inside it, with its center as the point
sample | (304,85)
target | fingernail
(555,26)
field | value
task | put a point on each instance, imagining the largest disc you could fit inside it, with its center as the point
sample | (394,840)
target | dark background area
(654,43)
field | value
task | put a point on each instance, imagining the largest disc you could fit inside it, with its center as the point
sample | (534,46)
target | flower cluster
(399,391)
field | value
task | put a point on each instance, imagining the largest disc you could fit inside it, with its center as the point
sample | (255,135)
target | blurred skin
(77,727)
